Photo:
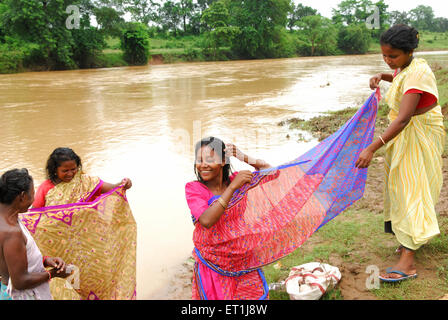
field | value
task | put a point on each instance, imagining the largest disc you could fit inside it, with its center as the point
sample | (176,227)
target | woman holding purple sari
(247,220)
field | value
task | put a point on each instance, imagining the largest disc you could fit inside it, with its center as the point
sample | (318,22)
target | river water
(142,123)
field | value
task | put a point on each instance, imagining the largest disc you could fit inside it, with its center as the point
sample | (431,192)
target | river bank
(355,240)
(188,49)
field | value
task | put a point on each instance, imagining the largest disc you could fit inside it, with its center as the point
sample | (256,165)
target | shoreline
(160,59)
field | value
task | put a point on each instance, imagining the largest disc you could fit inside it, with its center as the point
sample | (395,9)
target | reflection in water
(142,123)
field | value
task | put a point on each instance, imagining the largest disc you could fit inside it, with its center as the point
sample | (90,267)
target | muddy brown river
(142,123)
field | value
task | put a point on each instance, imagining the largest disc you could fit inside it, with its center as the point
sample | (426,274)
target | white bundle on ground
(311,280)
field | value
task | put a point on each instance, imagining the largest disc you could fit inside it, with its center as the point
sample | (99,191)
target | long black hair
(218,146)
(57,157)
(13,183)
(401,37)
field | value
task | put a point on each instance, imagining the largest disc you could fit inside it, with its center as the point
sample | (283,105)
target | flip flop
(404,276)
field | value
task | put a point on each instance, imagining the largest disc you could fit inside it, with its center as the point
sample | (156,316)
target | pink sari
(277,212)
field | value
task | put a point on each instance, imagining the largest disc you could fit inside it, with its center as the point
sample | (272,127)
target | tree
(357,11)
(318,34)
(170,16)
(143,11)
(422,17)
(261,25)
(44,24)
(440,25)
(135,44)
(109,20)
(298,12)
(186,11)
(399,17)
(354,39)
(217,18)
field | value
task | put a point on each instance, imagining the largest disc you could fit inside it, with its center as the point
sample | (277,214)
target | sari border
(64,206)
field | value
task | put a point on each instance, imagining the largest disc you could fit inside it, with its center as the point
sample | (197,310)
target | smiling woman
(89,223)
(63,166)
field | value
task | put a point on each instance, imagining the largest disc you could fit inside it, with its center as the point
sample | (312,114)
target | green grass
(429,41)
(357,237)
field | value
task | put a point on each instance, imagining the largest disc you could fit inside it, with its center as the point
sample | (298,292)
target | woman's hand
(59,267)
(241,179)
(364,158)
(232,151)
(375,81)
(127,183)
(54,262)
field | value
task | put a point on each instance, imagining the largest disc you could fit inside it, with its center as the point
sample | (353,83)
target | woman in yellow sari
(89,223)
(414,144)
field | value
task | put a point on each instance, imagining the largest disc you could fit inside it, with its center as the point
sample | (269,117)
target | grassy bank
(173,50)
(429,41)
(355,239)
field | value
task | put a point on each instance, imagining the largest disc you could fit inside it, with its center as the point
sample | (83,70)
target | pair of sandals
(403,275)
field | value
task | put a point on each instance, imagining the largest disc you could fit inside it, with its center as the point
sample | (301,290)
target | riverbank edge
(114,59)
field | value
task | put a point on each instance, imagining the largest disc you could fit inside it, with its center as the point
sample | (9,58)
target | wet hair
(401,37)
(56,159)
(13,183)
(218,146)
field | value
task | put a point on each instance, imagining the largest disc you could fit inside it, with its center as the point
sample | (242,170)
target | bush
(89,43)
(354,39)
(135,44)
(15,55)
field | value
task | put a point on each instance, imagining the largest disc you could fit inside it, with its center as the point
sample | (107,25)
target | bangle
(381,138)
(223,203)
(43,260)
(49,275)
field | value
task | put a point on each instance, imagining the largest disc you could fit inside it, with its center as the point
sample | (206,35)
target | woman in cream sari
(89,223)
(414,144)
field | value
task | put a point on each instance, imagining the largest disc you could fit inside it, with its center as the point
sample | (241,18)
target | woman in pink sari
(207,199)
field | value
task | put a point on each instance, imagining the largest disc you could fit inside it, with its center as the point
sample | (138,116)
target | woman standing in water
(414,144)
(22,267)
(207,198)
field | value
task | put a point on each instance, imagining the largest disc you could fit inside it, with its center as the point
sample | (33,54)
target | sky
(325,6)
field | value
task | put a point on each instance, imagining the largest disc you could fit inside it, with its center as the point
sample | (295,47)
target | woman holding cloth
(414,143)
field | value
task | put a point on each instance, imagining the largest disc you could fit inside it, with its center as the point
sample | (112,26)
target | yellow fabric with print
(413,162)
(70,192)
(98,236)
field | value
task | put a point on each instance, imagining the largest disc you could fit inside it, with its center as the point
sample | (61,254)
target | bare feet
(405,265)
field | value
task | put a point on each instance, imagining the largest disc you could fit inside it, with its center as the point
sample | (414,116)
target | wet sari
(277,211)
(96,233)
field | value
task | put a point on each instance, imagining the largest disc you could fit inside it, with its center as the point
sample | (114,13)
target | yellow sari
(97,236)
(413,162)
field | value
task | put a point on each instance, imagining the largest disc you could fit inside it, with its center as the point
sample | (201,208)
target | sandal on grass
(403,275)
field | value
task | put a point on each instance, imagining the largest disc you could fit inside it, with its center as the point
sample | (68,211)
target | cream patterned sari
(96,235)
(413,162)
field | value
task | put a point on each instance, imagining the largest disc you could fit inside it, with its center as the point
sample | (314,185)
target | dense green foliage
(135,44)
(51,35)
